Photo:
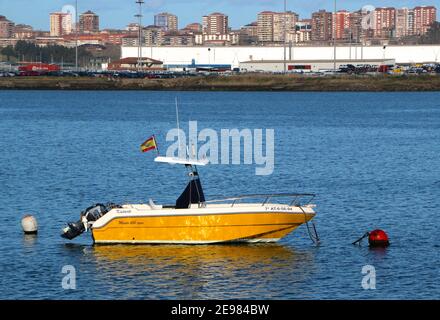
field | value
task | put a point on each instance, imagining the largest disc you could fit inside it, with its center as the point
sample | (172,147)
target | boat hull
(199,229)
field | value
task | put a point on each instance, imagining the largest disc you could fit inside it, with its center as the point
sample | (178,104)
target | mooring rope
(315,237)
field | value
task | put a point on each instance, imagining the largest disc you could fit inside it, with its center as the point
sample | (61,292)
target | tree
(433,35)
(8,52)
(28,51)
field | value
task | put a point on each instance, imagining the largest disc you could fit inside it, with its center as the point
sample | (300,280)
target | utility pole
(334,38)
(139,16)
(76,35)
(285,33)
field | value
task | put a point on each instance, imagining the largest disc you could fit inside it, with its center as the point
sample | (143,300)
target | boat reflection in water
(204,272)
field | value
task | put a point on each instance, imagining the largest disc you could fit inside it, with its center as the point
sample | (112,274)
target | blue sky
(118,13)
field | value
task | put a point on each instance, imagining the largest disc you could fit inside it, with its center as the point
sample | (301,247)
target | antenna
(178,126)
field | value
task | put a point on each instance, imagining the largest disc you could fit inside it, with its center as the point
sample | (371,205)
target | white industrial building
(234,55)
(307,65)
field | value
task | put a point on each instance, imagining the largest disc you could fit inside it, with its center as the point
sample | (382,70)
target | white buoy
(29,224)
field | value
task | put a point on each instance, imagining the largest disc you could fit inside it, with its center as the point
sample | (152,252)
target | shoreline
(245,82)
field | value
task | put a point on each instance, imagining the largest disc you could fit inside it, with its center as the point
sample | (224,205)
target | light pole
(334,38)
(351,40)
(76,35)
(285,33)
(139,15)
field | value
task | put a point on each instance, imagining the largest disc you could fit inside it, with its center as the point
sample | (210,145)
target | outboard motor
(91,214)
(73,230)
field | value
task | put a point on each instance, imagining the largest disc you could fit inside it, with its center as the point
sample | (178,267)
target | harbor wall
(233,55)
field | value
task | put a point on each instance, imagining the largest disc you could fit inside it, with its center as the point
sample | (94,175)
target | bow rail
(295,198)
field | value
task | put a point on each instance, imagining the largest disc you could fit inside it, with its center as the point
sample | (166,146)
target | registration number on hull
(282,208)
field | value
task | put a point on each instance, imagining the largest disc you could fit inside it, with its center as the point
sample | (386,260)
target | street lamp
(334,39)
(139,16)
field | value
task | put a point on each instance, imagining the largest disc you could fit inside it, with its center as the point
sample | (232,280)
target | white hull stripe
(184,242)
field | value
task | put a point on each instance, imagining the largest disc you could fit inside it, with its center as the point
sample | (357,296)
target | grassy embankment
(245,82)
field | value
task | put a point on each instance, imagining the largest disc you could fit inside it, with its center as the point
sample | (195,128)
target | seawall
(248,82)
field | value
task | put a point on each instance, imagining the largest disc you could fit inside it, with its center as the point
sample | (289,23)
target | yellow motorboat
(193,219)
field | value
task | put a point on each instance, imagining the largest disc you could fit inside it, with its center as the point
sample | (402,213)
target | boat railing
(294,198)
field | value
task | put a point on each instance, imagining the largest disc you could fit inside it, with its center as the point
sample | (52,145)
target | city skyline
(113,14)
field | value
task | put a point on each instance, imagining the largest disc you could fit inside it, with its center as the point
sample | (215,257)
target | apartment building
(166,21)
(274,26)
(60,24)
(153,36)
(341,23)
(322,26)
(404,22)
(384,22)
(88,22)
(424,17)
(6,28)
(215,23)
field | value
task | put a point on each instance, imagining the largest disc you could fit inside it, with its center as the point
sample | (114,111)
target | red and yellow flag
(149,144)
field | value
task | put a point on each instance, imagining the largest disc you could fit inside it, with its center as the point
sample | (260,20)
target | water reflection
(202,272)
(29,240)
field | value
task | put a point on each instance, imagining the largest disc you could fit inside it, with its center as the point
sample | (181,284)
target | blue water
(373,159)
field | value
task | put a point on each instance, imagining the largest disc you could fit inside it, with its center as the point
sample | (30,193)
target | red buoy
(378,238)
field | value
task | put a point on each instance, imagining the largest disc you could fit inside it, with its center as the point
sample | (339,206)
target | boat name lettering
(123,211)
(279,209)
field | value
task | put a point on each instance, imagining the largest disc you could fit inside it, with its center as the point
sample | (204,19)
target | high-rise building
(60,24)
(166,21)
(265,26)
(283,22)
(88,22)
(384,22)
(341,23)
(424,17)
(6,28)
(322,26)
(403,20)
(215,23)
(411,22)
(274,26)
(355,32)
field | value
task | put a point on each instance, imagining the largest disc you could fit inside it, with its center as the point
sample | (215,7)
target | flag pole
(178,127)
(157,146)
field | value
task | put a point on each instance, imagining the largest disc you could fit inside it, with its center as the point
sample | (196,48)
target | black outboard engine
(73,230)
(91,214)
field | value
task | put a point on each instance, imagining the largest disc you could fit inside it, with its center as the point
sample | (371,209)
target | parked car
(7,74)
(347,68)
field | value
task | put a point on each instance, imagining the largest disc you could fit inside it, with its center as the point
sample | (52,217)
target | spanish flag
(150,144)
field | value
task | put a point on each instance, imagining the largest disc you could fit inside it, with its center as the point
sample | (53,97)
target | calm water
(372,158)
